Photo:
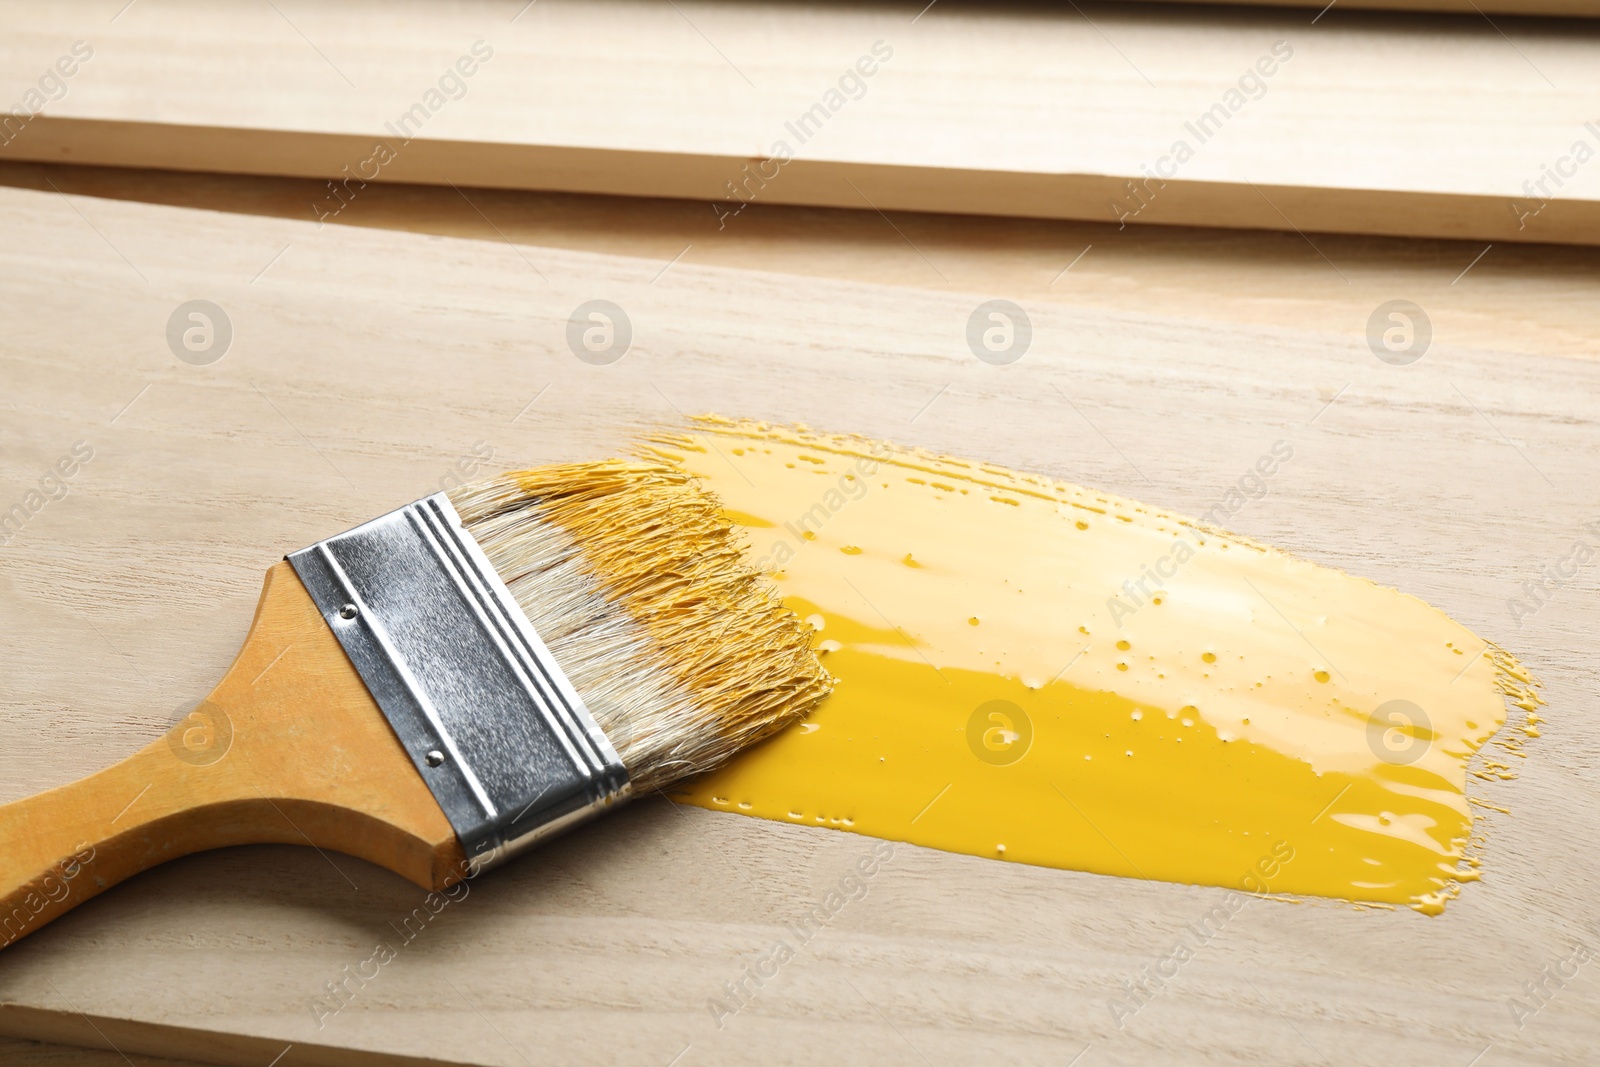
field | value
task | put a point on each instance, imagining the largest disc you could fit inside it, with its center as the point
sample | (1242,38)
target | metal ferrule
(488,717)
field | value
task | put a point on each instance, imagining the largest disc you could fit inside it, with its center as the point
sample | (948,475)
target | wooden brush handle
(289,749)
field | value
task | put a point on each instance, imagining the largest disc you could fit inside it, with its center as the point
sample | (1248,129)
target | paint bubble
(999,732)
(1399,732)
(999,332)
(201,734)
(599,332)
(199,332)
(1399,332)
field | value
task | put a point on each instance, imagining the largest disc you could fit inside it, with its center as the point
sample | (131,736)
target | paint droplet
(1123,646)
(1209,657)
(1122,666)
(1082,525)
(850,550)
(1000,850)
(1321,676)
(909,562)
(973,621)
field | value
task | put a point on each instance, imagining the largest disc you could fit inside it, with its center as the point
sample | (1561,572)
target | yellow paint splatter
(1145,697)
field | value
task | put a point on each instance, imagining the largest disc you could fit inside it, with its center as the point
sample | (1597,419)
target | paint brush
(442,687)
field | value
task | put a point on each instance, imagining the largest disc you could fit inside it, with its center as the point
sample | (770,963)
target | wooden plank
(1360,123)
(366,365)
(82,1040)
(43,1054)
(1523,299)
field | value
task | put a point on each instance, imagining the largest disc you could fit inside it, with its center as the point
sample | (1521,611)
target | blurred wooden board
(1517,299)
(42,1054)
(1359,123)
(366,365)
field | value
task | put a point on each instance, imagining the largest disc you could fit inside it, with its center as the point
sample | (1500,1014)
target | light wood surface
(1359,123)
(1519,299)
(288,748)
(365,368)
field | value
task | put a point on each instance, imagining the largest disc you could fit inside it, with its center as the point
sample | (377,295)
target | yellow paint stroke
(1043,673)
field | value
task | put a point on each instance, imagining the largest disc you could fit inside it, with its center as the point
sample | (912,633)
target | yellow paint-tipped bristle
(636,582)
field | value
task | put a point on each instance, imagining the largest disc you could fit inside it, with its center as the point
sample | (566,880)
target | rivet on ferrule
(490,721)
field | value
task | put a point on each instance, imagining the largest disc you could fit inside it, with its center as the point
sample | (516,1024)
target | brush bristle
(640,588)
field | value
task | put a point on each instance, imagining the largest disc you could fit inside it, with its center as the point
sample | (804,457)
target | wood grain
(1363,122)
(365,367)
(289,747)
